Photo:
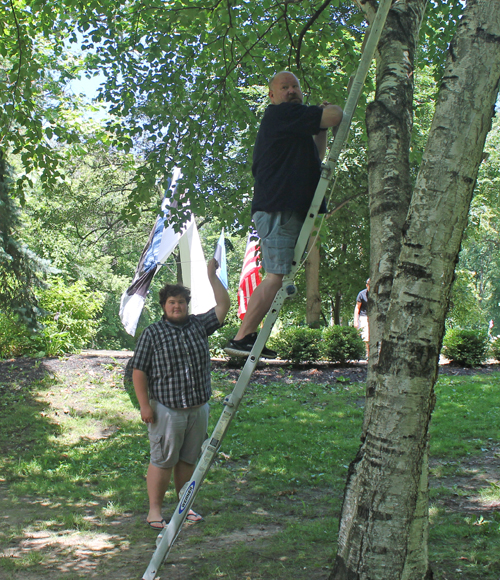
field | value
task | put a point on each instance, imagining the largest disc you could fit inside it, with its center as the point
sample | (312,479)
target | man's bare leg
(259,304)
(182,473)
(158,480)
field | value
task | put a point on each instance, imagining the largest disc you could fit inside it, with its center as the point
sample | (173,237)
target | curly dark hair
(174,290)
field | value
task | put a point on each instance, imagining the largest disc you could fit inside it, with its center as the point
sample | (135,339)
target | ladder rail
(168,535)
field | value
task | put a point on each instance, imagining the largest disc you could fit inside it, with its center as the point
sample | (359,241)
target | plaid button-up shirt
(176,360)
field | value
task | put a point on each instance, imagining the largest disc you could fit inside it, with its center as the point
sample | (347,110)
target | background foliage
(465,347)
(69,322)
(186,84)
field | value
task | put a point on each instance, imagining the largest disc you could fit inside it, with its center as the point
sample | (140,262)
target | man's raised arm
(331,117)
(221,296)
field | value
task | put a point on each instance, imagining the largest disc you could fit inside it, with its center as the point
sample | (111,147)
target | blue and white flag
(220,256)
(161,243)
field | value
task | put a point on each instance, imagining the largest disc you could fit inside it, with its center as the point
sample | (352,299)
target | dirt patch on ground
(93,362)
(108,551)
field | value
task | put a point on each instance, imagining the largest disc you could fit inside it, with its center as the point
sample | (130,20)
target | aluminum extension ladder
(168,535)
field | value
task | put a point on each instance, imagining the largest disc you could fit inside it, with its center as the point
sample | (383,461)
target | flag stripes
(250,274)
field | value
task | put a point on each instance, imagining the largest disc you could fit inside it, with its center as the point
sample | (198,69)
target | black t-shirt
(363,298)
(286,164)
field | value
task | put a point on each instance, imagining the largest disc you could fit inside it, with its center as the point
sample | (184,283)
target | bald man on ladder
(286,166)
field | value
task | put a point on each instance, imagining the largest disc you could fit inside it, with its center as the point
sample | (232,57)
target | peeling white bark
(389,125)
(384,517)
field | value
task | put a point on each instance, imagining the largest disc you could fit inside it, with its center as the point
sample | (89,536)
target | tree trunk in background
(313,298)
(384,516)
(336,311)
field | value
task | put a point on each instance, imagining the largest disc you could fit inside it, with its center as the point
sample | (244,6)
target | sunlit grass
(79,448)
(467,415)
(465,426)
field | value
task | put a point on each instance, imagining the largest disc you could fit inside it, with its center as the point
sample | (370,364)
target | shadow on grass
(270,500)
(106,464)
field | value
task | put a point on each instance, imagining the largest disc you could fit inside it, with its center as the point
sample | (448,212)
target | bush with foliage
(342,343)
(302,344)
(69,323)
(219,339)
(111,334)
(298,345)
(465,347)
(494,348)
(16,338)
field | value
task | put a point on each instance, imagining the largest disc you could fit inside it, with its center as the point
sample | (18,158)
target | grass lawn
(74,455)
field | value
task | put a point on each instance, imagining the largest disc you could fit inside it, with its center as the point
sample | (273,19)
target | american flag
(250,275)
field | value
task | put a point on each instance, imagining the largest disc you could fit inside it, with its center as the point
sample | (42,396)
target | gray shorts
(278,232)
(177,434)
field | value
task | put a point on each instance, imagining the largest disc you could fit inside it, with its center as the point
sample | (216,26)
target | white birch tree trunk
(380,534)
(389,121)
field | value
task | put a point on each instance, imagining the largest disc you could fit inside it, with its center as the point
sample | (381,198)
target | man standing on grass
(171,379)
(286,166)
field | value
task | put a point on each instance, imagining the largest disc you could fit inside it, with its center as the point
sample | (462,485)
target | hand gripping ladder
(168,535)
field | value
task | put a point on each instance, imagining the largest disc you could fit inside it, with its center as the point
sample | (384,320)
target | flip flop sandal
(157,524)
(194,518)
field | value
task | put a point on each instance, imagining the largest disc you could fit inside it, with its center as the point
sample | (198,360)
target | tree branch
(345,202)
(369,7)
(290,35)
(308,25)
(16,84)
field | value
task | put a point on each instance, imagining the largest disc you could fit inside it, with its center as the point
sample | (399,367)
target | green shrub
(301,344)
(15,337)
(465,347)
(298,344)
(219,339)
(68,325)
(342,343)
(494,350)
(111,335)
